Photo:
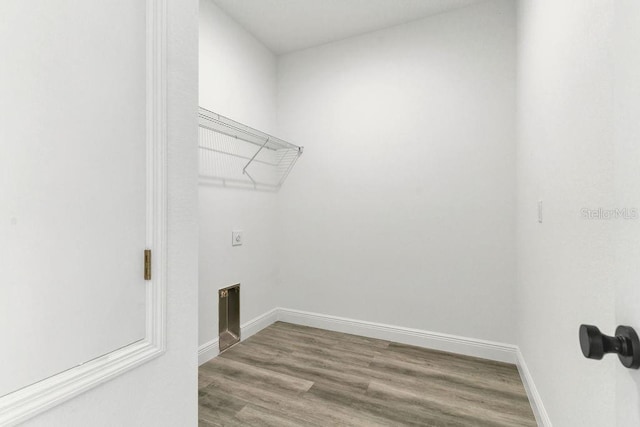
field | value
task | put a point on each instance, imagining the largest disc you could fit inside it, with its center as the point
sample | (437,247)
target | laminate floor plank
(322,347)
(300,408)
(314,369)
(260,377)
(292,375)
(472,408)
(453,389)
(218,409)
(337,337)
(259,416)
(400,371)
(450,361)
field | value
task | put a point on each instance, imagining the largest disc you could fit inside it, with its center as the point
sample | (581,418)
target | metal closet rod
(246,133)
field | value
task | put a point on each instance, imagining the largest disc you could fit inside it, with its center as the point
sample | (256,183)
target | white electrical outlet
(236,238)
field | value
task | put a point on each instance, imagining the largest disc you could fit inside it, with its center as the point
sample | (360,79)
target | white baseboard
(434,340)
(211,349)
(208,351)
(258,323)
(542,418)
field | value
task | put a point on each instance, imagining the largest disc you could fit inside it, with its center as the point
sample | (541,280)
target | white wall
(237,80)
(565,158)
(402,208)
(162,392)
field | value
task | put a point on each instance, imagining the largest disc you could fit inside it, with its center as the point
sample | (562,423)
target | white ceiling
(288,25)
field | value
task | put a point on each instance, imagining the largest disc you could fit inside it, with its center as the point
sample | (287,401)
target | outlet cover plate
(237,238)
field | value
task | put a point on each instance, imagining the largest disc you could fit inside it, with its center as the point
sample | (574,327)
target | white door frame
(25,403)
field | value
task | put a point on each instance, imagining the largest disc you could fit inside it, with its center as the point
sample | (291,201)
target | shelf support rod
(244,169)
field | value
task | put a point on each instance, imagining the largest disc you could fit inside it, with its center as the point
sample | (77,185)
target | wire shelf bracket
(233,154)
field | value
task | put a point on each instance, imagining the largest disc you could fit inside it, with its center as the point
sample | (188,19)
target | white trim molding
(434,340)
(211,349)
(542,418)
(29,401)
(455,344)
(208,351)
(257,324)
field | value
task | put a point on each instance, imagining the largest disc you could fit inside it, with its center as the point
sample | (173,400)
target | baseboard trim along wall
(258,323)
(208,351)
(542,418)
(211,349)
(433,340)
(438,341)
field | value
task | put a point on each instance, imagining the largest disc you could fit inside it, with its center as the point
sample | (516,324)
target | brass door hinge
(147,264)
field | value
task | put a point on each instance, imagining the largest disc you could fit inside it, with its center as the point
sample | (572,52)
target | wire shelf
(233,154)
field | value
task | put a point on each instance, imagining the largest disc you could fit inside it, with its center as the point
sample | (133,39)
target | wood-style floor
(290,375)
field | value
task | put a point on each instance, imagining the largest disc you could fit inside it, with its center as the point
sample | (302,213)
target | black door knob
(625,343)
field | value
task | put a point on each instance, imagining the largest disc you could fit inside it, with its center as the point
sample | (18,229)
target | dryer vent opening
(229,316)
